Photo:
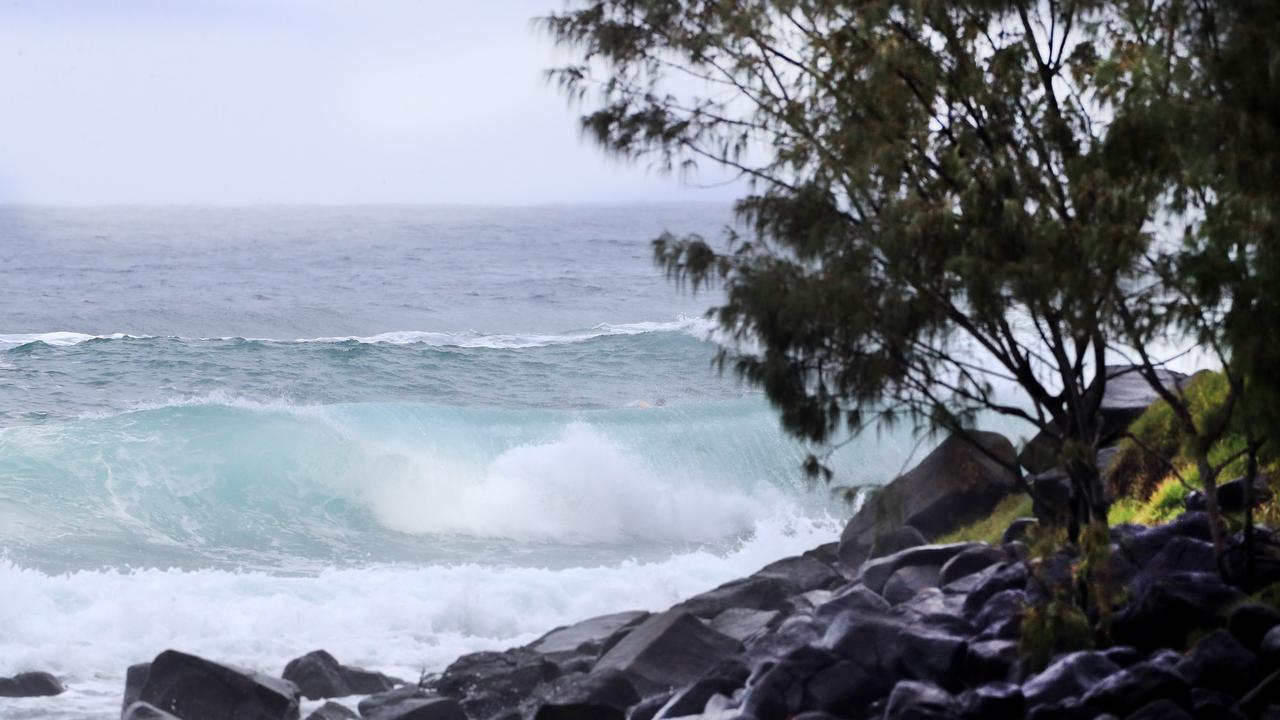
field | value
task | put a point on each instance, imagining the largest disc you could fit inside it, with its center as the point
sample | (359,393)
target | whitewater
(397,433)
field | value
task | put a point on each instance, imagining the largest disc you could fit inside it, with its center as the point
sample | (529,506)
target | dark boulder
(994,701)
(648,708)
(374,703)
(996,579)
(1001,616)
(1124,655)
(886,648)
(134,678)
(192,687)
(668,650)
(319,675)
(1269,648)
(145,711)
(970,561)
(1160,710)
(1128,394)
(792,633)
(1262,696)
(1220,662)
(802,573)
(1231,495)
(333,711)
(725,678)
(875,573)
(586,638)
(990,661)
(1266,560)
(852,597)
(1018,529)
(753,592)
(905,582)
(1069,709)
(953,486)
(1130,689)
(1181,554)
(1163,613)
(603,695)
(486,682)
(418,708)
(1141,544)
(30,684)
(743,624)
(1054,496)
(1212,705)
(1250,622)
(912,700)
(809,678)
(896,540)
(1068,677)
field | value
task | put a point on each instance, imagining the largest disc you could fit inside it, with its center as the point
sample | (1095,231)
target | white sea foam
(87,627)
(58,339)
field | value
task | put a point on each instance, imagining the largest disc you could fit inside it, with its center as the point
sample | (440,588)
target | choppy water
(397,433)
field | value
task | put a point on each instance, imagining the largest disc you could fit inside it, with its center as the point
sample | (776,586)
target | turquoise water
(399,433)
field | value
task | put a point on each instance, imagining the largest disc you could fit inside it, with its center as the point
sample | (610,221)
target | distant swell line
(697,327)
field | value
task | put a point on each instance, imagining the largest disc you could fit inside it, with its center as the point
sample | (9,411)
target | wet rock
(319,675)
(997,578)
(1181,554)
(743,624)
(794,632)
(885,649)
(875,573)
(1206,704)
(809,678)
(1251,622)
(1231,495)
(1262,696)
(802,574)
(1269,648)
(724,679)
(30,684)
(1141,544)
(1163,612)
(1220,662)
(954,485)
(604,695)
(1130,689)
(145,711)
(648,708)
(586,638)
(1001,616)
(1018,529)
(932,603)
(912,700)
(1124,655)
(418,708)
(906,582)
(753,593)
(1054,493)
(994,701)
(1160,710)
(134,678)
(991,661)
(1068,677)
(852,597)
(486,682)
(970,561)
(193,687)
(374,703)
(333,711)
(897,540)
(667,651)
(1128,394)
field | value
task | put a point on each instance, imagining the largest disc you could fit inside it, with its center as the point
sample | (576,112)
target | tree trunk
(1208,481)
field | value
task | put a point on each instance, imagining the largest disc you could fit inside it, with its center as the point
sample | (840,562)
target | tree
(935,211)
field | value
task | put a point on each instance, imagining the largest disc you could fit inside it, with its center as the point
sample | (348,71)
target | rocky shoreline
(885,624)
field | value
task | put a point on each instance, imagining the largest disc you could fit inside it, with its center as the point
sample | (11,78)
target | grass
(991,528)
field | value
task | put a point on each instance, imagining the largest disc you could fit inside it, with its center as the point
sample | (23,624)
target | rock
(1250,622)
(809,678)
(1269,648)
(743,624)
(1130,689)
(994,701)
(375,703)
(1040,453)
(333,711)
(970,561)
(991,661)
(603,695)
(1231,495)
(1262,696)
(907,581)
(1067,677)
(192,687)
(724,679)
(885,649)
(930,604)
(897,540)
(1001,616)
(418,708)
(996,579)
(854,596)
(912,700)
(1163,612)
(953,486)
(1141,544)
(802,574)
(1124,655)
(319,675)
(1053,493)
(586,638)
(1266,560)
(1220,662)
(668,650)
(1127,395)
(1018,529)
(1069,709)
(486,682)
(30,684)
(1160,710)
(875,573)
(134,678)
(1207,703)
(752,592)
(145,711)
(646,709)
(1181,554)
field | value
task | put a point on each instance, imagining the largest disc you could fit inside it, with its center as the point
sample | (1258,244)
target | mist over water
(398,433)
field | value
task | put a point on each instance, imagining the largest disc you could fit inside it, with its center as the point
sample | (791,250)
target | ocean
(398,433)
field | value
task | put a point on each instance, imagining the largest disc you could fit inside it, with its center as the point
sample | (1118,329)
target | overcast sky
(296,101)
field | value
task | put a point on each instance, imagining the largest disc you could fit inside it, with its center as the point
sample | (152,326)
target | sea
(398,433)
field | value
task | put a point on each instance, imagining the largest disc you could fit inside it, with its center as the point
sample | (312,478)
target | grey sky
(295,101)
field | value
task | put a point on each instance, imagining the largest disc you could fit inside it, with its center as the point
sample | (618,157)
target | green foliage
(1166,503)
(1048,630)
(1124,511)
(991,528)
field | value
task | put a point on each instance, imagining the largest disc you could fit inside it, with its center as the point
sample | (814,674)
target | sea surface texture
(396,433)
